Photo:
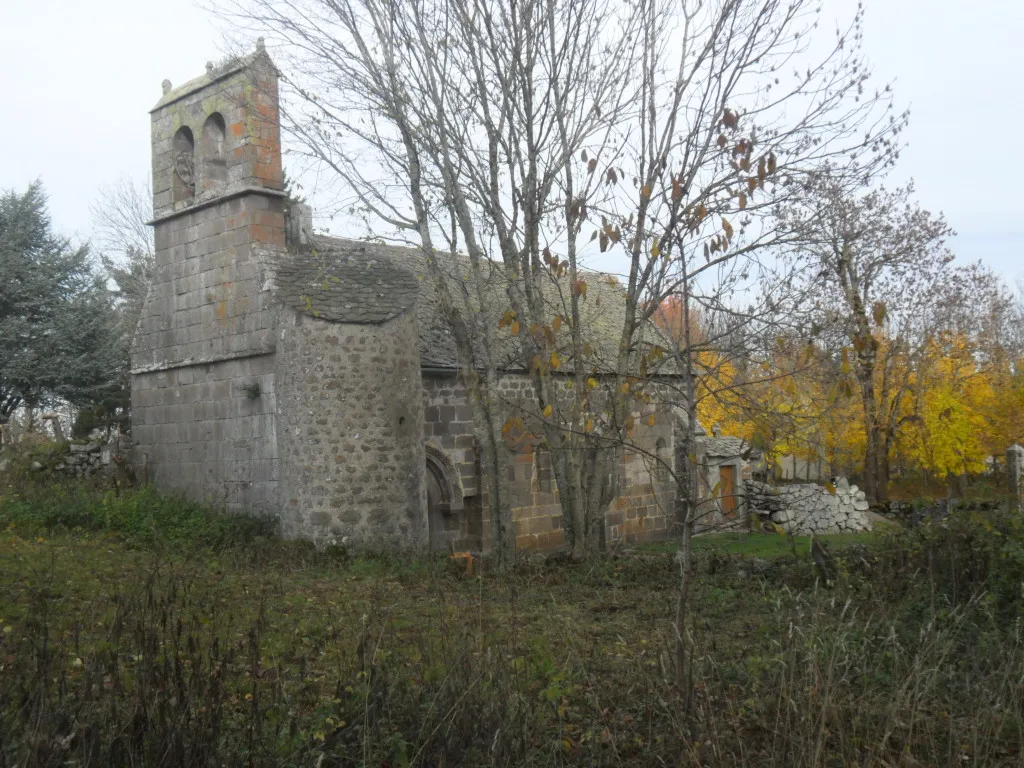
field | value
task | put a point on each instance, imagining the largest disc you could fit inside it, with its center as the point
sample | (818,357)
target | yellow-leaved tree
(953,397)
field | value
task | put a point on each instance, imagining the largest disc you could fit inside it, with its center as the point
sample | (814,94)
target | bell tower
(206,336)
(217,136)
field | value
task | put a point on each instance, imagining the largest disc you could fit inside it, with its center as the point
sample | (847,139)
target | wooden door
(727,490)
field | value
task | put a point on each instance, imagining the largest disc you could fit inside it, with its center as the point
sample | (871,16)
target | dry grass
(266,653)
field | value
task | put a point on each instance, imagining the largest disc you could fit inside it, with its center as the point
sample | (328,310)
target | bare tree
(124,238)
(886,284)
(124,241)
(532,135)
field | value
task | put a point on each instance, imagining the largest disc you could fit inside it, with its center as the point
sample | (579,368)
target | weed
(189,639)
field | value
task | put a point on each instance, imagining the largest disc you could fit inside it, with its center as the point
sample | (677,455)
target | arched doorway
(444,500)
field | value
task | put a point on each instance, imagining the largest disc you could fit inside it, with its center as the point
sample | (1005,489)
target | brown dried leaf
(879,312)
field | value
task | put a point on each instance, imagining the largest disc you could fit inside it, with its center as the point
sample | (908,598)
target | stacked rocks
(808,508)
(90,457)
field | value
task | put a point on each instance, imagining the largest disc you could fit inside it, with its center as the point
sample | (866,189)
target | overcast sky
(78,77)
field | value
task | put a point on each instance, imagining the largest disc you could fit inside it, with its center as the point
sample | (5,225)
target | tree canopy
(58,336)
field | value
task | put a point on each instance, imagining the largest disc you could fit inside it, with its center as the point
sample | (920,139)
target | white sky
(77,78)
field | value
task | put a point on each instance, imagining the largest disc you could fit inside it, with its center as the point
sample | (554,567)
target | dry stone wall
(92,456)
(807,508)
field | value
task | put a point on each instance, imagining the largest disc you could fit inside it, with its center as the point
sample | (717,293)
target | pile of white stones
(808,508)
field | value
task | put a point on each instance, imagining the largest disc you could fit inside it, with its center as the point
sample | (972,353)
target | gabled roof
(353,281)
(725,447)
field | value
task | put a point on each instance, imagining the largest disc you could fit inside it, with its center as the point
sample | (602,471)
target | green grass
(763,545)
(143,518)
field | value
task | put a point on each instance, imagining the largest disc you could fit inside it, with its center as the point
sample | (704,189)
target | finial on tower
(260,47)
(166,86)
(209,67)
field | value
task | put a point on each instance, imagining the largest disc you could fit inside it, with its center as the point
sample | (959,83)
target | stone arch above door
(449,481)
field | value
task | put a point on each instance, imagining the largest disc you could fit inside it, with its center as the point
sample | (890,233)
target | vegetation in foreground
(139,630)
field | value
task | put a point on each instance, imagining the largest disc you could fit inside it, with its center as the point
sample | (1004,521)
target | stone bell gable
(217,184)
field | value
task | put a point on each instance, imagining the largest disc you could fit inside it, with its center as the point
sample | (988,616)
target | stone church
(314,378)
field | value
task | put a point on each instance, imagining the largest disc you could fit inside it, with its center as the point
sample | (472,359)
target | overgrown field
(138,630)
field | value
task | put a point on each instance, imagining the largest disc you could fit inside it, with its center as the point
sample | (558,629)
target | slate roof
(304,283)
(724,447)
(345,288)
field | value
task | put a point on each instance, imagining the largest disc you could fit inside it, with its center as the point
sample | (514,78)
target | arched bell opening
(183,168)
(214,166)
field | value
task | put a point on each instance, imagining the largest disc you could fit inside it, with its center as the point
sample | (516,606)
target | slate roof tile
(363,282)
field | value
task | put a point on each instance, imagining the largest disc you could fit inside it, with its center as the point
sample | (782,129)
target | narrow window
(542,469)
(663,461)
(183,169)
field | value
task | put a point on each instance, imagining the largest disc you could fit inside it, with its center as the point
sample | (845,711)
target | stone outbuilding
(727,464)
(316,378)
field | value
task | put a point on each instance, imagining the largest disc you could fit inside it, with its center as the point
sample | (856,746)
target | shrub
(948,559)
(143,517)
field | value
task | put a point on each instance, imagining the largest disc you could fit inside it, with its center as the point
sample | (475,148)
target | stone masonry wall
(92,456)
(448,424)
(209,296)
(642,509)
(448,417)
(209,432)
(351,408)
(807,508)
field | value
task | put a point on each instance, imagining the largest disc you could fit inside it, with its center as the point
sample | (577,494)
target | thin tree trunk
(691,493)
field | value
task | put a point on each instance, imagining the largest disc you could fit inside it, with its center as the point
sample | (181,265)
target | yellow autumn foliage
(949,407)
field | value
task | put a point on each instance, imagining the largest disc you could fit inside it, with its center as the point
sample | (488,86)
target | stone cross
(1015,471)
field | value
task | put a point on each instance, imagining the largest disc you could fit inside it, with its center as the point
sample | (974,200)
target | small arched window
(215,167)
(183,165)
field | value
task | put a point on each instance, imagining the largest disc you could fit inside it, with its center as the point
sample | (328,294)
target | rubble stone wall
(807,508)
